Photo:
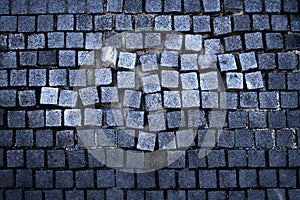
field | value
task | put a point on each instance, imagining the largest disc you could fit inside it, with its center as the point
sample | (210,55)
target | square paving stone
(186,179)
(169,58)
(143,22)
(44,138)
(253,41)
(209,80)
(225,138)
(27,98)
(293,118)
(126,138)
(8,60)
(146,141)
(18,78)
(53,118)
(237,158)
(207,61)
(64,179)
(172,6)
(182,23)
(123,22)
(156,121)
(56,158)
(109,95)
(45,23)
(67,58)
(127,60)
(173,41)
(289,99)
(268,100)
(201,24)
(65,22)
(287,60)
(126,79)
(279,22)
(207,179)
(211,6)
(222,25)
(35,158)
(58,77)
(169,79)
(36,41)
(189,80)
(254,80)
(84,22)
(133,6)
(134,41)
(44,179)
(56,40)
(272,6)
(277,80)
(196,118)
(149,62)
(227,178)
(89,96)
(103,22)
(26,24)
(267,178)
(28,58)
(132,98)
(241,23)
(263,139)
(23,178)
(266,61)
(176,119)
(277,158)
(74,40)
(47,57)
(72,117)
(6,138)
(209,99)
(176,159)
(151,83)
(49,95)
(257,119)
(253,6)
(135,119)
(295,24)
(248,178)
(103,76)
(237,119)
(152,40)
(290,6)
(274,40)
(8,98)
(114,5)
(190,98)
(256,158)
(287,178)
(193,42)
(293,81)
(189,62)
(172,99)
(213,46)
(16,119)
(15,158)
(68,98)
(260,22)
(232,5)
(185,138)
(163,23)
(284,138)
(166,140)
(248,61)
(234,80)
(227,62)
(228,100)
(93,40)
(24,138)
(36,118)
(153,6)
(16,41)
(114,117)
(233,43)
(153,102)
(277,119)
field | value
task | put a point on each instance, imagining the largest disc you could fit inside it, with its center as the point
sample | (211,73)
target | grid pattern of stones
(42,44)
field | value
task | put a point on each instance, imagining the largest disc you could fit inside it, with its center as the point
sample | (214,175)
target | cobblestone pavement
(149,99)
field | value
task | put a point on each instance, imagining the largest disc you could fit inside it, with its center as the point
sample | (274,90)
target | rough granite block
(172,6)
(248,61)
(123,22)
(213,46)
(209,81)
(153,6)
(263,139)
(103,22)
(253,41)
(248,100)
(152,40)
(146,141)
(274,40)
(16,119)
(8,98)
(156,121)
(189,80)
(47,58)
(49,95)
(222,25)
(134,41)
(27,98)
(234,80)
(68,98)
(266,61)
(132,98)
(151,83)
(201,24)
(109,95)
(28,58)
(254,80)
(103,76)
(135,119)
(211,6)
(287,60)
(84,22)
(182,23)
(163,23)
(26,24)
(53,118)
(16,41)
(190,98)
(268,100)
(290,6)
(227,62)
(257,119)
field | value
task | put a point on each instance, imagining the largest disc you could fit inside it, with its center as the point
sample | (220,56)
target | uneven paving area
(149,99)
